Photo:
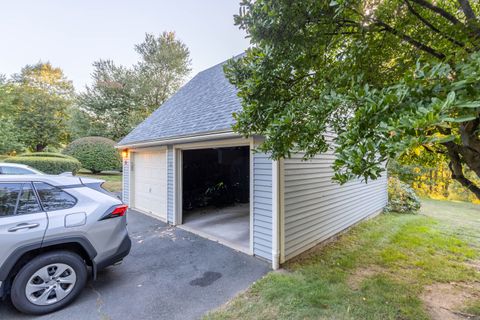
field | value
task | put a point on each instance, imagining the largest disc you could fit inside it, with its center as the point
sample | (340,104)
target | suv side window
(17,198)
(53,198)
(28,202)
(9,195)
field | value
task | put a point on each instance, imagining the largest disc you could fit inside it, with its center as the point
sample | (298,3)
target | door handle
(23,226)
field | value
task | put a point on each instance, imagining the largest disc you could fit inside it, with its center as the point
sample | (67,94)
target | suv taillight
(118,211)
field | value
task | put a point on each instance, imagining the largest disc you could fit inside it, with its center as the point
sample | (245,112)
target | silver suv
(54,230)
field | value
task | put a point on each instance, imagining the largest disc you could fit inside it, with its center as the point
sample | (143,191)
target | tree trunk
(39,148)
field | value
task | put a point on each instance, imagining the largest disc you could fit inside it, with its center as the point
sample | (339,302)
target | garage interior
(216,194)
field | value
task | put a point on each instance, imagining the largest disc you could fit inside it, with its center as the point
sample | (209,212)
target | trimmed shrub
(401,197)
(96,154)
(49,165)
(46,155)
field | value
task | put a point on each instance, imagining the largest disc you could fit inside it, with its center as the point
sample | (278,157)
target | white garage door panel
(150,175)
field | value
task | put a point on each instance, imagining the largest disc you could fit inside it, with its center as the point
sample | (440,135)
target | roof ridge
(220,63)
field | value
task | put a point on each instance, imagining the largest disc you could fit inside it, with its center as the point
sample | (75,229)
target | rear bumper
(122,252)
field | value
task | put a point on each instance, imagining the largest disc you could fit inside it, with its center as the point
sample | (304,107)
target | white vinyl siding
(126,181)
(150,182)
(315,208)
(170,185)
(262,205)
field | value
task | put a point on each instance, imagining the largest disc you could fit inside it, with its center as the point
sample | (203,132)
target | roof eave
(211,135)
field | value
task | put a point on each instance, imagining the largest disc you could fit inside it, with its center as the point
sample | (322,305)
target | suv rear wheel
(48,282)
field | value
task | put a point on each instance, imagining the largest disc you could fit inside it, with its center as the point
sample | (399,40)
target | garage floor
(229,225)
(169,274)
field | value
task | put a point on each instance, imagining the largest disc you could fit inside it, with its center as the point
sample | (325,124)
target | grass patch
(473,308)
(113,180)
(393,257)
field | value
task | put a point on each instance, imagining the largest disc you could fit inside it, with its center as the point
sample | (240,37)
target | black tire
(18,295)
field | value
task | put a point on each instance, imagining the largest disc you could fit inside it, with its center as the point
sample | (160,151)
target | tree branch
(468,133)
(467,10)
(470,15)
(417,44)
(450,17)
(456,168)
(431,26)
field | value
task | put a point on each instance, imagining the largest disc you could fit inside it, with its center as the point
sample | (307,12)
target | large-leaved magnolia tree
(386,76)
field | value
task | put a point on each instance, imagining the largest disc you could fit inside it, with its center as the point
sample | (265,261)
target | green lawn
(113,180)
(391,267)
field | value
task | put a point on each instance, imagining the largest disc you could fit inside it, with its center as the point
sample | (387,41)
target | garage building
(185,166)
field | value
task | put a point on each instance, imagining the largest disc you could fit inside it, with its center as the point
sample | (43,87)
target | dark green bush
(401,197)
(96,154)
(49,165)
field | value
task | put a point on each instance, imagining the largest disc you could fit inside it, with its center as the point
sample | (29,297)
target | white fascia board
(184,139)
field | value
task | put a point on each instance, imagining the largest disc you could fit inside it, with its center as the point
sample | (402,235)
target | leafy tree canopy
(42,95)
(164,64)
(121,97)
(112,100)
(386,77)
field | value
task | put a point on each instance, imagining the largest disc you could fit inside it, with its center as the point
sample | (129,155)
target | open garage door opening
(216,194)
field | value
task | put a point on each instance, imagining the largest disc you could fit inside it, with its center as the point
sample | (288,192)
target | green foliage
(96,154)
(9,142)
(42,96)
(401,197)
(48,164)
(112,99)
(122,97)
(384,77)
(82,124)
(432,178)
(473,308)
(46,155)
(164,64)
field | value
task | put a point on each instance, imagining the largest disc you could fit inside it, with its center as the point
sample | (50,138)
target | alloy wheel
(50,284)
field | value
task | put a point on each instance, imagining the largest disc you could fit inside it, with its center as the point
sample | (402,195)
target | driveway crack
(100,304)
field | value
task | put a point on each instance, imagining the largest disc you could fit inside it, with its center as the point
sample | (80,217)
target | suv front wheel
(48,282)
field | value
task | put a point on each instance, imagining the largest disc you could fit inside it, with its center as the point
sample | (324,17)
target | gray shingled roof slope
(203,105)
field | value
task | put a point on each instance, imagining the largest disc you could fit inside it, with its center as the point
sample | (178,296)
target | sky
(72,34)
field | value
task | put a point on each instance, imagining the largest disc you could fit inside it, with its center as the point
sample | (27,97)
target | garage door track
(169,274)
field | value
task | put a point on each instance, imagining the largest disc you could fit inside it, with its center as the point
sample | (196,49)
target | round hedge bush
(401,197)
(96,154)
(49,164)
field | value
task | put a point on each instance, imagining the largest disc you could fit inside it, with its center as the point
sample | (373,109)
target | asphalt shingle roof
(203,105)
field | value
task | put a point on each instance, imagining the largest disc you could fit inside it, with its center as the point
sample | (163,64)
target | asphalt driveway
(169,274)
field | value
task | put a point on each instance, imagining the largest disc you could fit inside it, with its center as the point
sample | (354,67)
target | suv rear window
(17,198)
(53,198)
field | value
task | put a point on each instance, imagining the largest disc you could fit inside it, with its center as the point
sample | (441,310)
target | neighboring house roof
(205,104)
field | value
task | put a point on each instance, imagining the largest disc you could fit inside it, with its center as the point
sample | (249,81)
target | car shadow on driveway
(169,274)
